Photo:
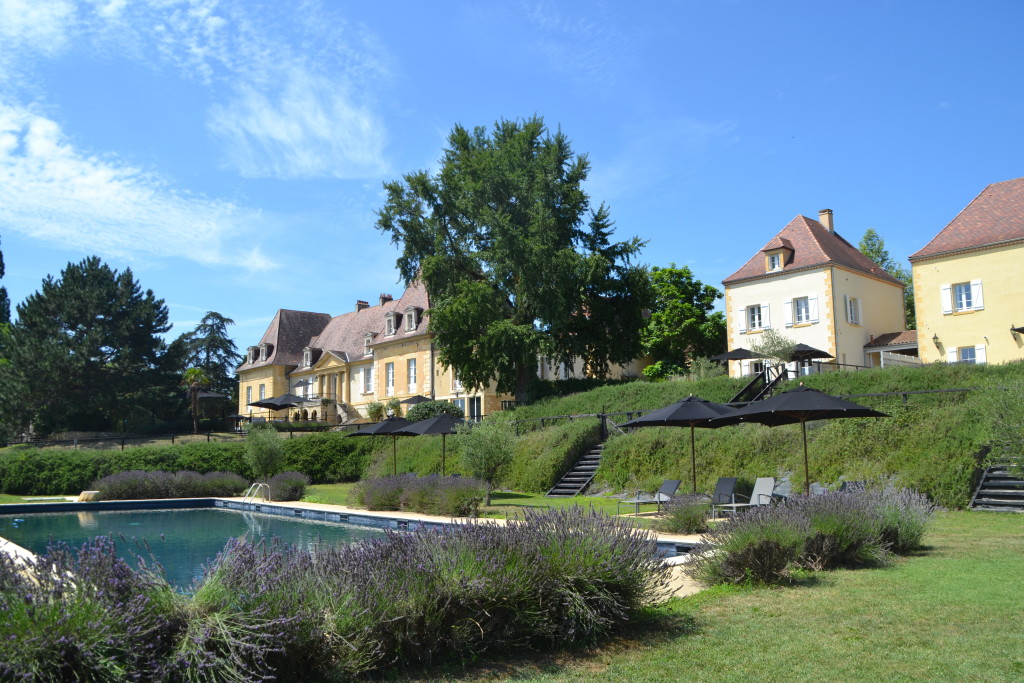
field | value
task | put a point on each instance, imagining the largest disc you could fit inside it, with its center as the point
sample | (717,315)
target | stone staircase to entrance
(576,480)
(999,489)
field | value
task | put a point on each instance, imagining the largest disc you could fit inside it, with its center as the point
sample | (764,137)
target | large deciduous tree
(515,259)
(88,344)
(683,324)
(873,246)
(209,347)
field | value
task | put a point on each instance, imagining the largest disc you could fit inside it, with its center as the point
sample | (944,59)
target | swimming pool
(183,541)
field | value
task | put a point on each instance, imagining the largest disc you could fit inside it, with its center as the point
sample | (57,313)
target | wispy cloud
(52,192)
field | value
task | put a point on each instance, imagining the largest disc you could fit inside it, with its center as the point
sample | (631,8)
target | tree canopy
(683,324)
(88,345)
(210,348)
(5,302)
(516,261)
(873,246)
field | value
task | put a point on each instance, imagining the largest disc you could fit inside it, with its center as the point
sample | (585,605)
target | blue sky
(232,153)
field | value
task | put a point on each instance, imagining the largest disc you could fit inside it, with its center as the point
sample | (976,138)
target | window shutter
(979,353)
(860,313)
(766,322)
(812,308)
(846,306)
(951,355)
(977,301)
(787,312)
(946,297)
(741,316)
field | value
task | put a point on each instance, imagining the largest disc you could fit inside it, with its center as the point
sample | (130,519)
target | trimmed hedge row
(324,457)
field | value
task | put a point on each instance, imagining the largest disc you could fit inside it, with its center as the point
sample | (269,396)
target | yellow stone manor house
(341,364)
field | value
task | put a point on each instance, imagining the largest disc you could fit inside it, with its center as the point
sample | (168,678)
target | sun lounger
(664,494)
(761,495)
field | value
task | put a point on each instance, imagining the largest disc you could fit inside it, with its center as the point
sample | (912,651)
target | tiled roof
(292,331)
(995,216)
(289,332)
(813,245)
(893,339)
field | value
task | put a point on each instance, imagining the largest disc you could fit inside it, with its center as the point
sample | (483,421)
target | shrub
(427,409)
(760,546)
(448,496)
(139,484)
(685,514)
(375,411)
(541,457)
(844,531)
(264,451)
(904,517)
(486,448)
(328,457)
(288,486)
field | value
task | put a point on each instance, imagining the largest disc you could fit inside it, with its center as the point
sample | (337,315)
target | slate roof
(994,217)
(812,246)
(893,339)
(291,332)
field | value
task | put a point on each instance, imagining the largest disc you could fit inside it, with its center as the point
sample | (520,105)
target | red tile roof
(893,339)
(994,217)
(813,246)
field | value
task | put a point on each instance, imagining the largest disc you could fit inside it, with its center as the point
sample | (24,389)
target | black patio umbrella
(802,405)
(805,352)
(413,400)
(384,428)
(442,424)
(279,402)
(691,412)
(737,354)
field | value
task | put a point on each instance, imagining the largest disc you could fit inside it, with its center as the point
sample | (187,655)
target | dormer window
(307,357)
(775,261)
(252,354)
(366,343)
(389,324)
(411,319)
(263,352)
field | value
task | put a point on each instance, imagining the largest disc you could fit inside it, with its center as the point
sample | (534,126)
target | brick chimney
(384,298)
(360,304)
(825,218)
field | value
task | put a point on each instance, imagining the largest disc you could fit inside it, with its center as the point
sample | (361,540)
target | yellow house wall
(775,291)
(399,353)
(274,378)
(881,309)
(999,271)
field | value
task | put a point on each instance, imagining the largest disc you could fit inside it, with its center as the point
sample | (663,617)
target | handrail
(251,493)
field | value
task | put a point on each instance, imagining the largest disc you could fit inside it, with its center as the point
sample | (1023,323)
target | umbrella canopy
(442,424)
(737,354)
(691,412)
(413,400)
(384,428)
(801,405)
(805,352)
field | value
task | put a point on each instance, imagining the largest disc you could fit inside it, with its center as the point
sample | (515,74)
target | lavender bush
(446,496)
(850,529)
(685,514)
(140,484)
(288,486)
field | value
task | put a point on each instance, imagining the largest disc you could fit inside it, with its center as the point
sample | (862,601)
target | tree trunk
(487,496)
(524,373)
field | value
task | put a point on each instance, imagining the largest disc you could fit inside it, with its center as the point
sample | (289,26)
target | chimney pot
(384,298)
(360,304)
(825,218)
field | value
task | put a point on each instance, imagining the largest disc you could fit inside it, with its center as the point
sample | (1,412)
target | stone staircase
(999,489)
(576,480)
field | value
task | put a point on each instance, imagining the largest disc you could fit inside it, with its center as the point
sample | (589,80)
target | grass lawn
(328,494)
(954,612)
(7,499)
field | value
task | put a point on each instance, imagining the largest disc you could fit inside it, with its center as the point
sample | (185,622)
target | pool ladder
(254,490)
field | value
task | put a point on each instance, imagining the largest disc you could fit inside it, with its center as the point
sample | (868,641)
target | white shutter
(846,307)
(979,353)
(946,297)
(766,322)
(860,312)
(741,317)
(787,312)
(812,308)
(951,355)
(977,300)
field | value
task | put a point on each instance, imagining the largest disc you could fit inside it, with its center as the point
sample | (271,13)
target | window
(966,354)
(263,391)
(389,324)
(248,395)
(366,344)
(307,356)
(263,351)
(961,297)
(389,379)
(474,406)
(410,318)
(754,317)
(411,372)
(756,367)
(252,354)
(368,380)
(456,382)
(801,311)
(853,310)
(774,261)
(460,403)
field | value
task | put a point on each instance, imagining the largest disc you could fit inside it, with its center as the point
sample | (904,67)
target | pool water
(182,541)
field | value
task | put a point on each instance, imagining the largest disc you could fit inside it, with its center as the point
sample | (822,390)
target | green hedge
(325,457)
(543,456)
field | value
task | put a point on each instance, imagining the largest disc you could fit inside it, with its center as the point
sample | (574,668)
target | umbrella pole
(442,453)
(693,460)
(807,474)
(394,452)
